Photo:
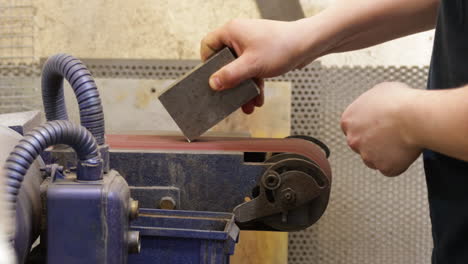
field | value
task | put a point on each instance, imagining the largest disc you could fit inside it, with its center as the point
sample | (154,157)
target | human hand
(376,127)
(265,48)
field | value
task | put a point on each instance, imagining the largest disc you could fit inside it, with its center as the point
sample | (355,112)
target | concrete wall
(160,29)
(173,29)
(411,50)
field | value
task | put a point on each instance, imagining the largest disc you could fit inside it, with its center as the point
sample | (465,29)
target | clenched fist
(377,128)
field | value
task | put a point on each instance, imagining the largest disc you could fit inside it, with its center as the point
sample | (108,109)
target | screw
(272,180)
(167,203)
(288,195)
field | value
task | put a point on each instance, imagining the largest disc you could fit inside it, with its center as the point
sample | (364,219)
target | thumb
(234,73)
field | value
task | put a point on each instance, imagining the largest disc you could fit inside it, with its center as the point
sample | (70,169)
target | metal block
(195,107)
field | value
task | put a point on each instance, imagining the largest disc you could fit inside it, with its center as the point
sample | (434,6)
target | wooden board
(256,247)
(132,106)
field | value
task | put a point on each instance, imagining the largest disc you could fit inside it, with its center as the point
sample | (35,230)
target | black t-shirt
(447,178)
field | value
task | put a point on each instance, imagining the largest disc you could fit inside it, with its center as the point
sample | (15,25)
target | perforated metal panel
(18,92)
(16,32)
(371,218)
(138,69)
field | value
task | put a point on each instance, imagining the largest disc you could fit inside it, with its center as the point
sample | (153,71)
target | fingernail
(215,83)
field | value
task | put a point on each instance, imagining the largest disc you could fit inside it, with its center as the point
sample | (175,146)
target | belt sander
(97,198)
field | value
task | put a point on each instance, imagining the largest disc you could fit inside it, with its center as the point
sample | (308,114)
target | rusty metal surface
(195,107)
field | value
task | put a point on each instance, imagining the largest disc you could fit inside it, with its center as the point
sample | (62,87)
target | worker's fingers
(248,108)
(368,162)
(259,100)
(213,42)
(229,76)
(259,82)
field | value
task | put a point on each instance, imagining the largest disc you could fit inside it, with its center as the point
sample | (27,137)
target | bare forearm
(438,120)
(350,25)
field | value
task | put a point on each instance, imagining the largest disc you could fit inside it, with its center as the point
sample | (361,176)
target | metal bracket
(287,185)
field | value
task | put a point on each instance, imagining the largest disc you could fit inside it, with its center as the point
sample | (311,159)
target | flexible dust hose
(75,72)
(89,167)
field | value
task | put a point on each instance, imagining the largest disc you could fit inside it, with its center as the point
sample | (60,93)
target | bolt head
(167,203)
(288,196)
(272,180)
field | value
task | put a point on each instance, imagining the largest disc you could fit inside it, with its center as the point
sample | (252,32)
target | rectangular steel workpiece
(195,107)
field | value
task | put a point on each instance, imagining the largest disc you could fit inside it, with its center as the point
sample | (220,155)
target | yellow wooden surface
(132,106)
(272,120)
(261,248)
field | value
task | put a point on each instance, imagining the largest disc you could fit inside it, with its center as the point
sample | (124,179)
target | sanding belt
(267,145)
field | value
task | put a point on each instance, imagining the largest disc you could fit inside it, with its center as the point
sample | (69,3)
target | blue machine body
(200,231)
(185,237)
(88,222)
(196,180)
(205,187)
